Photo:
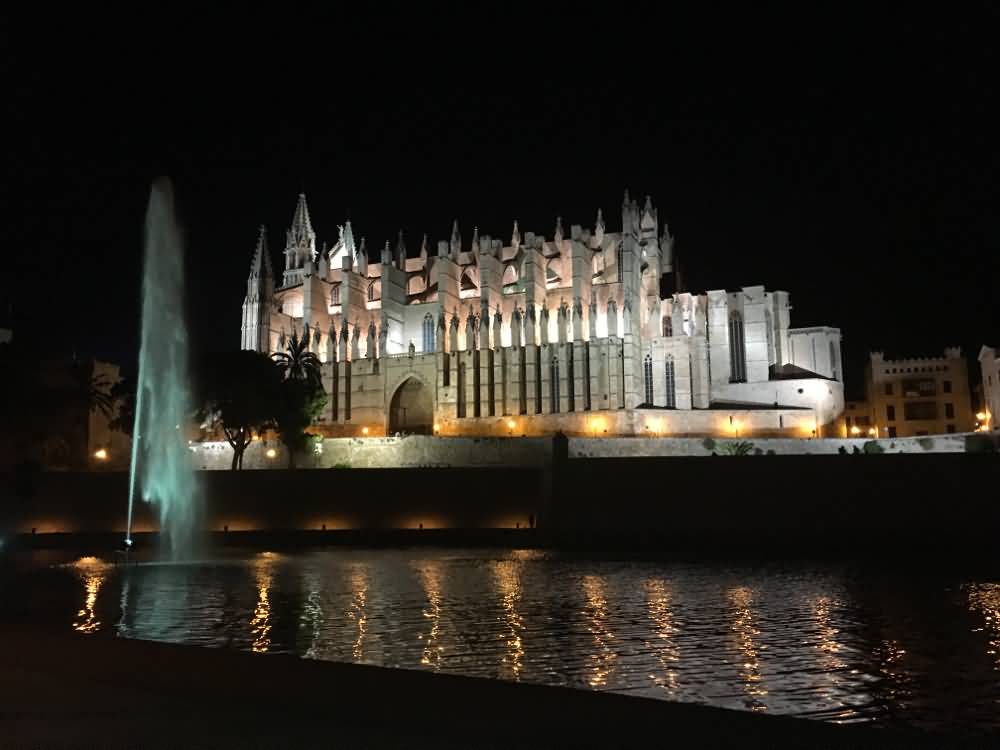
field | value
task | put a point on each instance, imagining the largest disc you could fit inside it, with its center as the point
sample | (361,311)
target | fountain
(161,466)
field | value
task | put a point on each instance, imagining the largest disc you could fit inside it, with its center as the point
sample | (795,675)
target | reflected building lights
(260,624)
(312,615)
(507,573)
(658,601)
(745,632)
(430,578)
(359,609)
(984,599)
(603,658)
(94,572)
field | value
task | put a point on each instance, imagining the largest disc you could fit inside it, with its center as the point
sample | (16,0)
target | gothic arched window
(668,326)
(620,260)
(428,333)
(554,374)
(647,379)
(737,349)
(509,275)
(335,295)
(670,377)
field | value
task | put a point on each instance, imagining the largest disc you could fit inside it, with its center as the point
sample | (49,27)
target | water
(825,642)
(161,468)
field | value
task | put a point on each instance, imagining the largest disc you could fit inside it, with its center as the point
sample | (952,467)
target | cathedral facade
(535,335)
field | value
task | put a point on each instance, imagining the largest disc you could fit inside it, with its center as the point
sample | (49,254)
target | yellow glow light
(871,431)
(981,416)
(271,453)
(101,454)
(256,437)
(437,428)
(855,430)
(510,424)
(364,430)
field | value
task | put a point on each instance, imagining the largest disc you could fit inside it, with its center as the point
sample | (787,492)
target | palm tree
(89,389)
(298,363)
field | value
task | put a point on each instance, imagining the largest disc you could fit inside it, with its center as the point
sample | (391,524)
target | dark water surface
(819,641)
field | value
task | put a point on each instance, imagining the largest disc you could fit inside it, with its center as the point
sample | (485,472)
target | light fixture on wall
(437,428)
(364,430)
(510,427)
(271,453)
(101,454)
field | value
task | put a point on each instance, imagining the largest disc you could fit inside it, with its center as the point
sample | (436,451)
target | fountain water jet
(161,464)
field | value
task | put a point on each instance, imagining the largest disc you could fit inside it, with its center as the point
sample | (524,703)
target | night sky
(850,161)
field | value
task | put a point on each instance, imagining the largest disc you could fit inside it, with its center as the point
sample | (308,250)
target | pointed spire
(559,229)
(301,224)
(423,249)
(400,251)
(347,238)
(456,240)
(649,205)
(600,221)
(260,266)
(515,239)
(625,200)
(475,240)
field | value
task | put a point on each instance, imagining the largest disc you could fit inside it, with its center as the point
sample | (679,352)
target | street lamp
(510,427)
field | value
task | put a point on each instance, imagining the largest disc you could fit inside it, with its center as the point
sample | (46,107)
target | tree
(299,403)
(239,392)
(298,363)
(123,393)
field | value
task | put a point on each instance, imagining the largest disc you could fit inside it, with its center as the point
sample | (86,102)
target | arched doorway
(411,410)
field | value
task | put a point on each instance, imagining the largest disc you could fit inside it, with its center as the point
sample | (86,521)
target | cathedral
(535,335)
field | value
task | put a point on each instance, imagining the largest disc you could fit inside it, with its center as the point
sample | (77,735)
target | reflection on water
(93,572)
(507,574)
(430,578)
(984,599)
(658,596)
(814,641)
(358,611)
(603,654)
(260,623)
(745,633)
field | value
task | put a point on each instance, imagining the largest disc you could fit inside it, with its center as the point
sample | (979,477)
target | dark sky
(852,161)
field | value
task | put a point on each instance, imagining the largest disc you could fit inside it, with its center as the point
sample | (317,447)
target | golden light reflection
(831,663)
(359,609)
(602,661)
(430,578)
(745,633)
(93,572)
(890,656)
(508,577)
(260,624)
(984,598)
(658,601)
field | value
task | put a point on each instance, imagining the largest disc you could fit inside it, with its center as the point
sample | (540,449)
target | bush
(342,465)
(926,443)
(737,448)
(872,448)
(709,444)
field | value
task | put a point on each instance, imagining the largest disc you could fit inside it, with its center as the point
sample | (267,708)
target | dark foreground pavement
(60,690)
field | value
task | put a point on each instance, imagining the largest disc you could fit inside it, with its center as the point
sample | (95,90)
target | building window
(918,411)
(951,428)
(737,350)
(947,386)
(834,364)
(668,326)
(949,411)
(554,375)
(428,333)
(890,413)
(892,431)
(335,295)
(888,389)
(671,381)
(647,379)
(620,260)
(371,292)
